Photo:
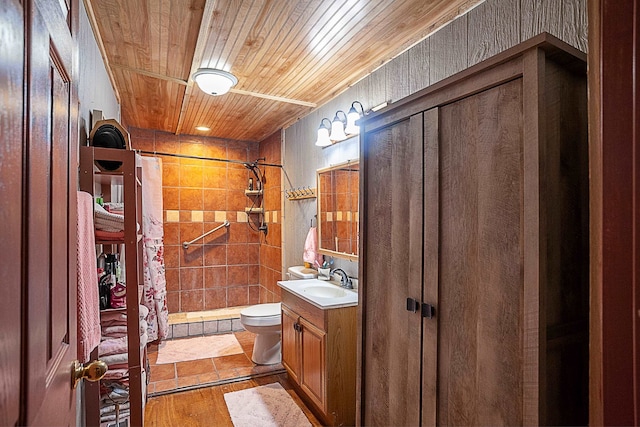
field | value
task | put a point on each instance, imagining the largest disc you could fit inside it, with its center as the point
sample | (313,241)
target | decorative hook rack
(300,193)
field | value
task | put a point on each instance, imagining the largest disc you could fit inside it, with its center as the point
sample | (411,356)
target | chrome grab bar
(224,224)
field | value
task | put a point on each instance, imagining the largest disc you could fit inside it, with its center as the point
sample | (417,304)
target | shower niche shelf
(254,210)
(253,192)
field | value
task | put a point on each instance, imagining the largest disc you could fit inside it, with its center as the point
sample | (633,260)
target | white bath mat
(181,350)
(267,405)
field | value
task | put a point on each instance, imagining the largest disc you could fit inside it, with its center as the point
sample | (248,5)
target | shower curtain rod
(214,159)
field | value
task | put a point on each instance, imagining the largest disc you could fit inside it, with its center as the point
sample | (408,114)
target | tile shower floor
(208,371)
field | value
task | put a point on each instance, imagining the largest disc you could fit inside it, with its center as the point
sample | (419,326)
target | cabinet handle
(428,310)
(413,305)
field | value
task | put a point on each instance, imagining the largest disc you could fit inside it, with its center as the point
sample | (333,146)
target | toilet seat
(261,315)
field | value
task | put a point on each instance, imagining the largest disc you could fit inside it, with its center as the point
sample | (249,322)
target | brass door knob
(94,371)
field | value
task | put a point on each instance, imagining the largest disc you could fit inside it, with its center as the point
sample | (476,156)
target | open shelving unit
(94,179)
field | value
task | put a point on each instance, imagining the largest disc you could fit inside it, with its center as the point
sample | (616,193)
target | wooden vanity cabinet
(474,264)
(319,353)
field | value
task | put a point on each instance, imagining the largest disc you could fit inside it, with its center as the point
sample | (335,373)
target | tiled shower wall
(271,245)
(223,269)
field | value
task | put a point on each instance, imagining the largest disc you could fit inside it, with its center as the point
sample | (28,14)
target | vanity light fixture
(337,127)
(323,134)
(352,116)
(213,81)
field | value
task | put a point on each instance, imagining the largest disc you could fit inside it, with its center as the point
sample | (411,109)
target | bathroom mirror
(338,222)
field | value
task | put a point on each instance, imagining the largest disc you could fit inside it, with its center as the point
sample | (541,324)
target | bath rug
(267,405)
(181,350)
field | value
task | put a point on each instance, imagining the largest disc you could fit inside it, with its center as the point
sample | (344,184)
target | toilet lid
(262,310)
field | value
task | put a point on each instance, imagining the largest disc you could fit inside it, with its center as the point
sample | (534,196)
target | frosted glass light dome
(214,82)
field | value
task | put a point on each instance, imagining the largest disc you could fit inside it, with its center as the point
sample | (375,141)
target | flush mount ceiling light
(214,82)
(352,116)
(337,127)
(202,128)
(323,134)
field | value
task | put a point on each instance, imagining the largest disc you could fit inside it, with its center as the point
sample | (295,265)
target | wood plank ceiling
(289,56)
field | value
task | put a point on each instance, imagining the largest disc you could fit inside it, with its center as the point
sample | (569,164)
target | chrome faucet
(345,280)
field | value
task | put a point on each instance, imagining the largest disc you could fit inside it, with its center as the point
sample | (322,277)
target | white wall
(95,91)
(484,31)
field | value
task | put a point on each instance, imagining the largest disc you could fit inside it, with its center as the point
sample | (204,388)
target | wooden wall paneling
(377,87)
(431,257)
(397,77)
(574,23)
(11,216)
(494,26)
(419,66)
(539,16)
(448,50)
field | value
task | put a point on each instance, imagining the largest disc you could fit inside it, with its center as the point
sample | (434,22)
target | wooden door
(480,290)
(49,254)
(391,267)
(313,367)
(11,125)
(290,344)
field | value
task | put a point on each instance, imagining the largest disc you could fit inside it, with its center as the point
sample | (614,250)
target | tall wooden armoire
(474,252)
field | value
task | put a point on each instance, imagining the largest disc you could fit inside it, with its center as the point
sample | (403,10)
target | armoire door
(473,262)
(391,335)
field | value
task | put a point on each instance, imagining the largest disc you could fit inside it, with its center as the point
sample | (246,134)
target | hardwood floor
(206,406)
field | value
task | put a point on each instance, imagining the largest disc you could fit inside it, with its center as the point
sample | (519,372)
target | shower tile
(238,178)
(238,254)
(173,216)
(215,177)
(237,275)
(191,257)
(237,233)
(215,277)
(188,380)
(170,175)
(215,298)
(237,296)
(215,200)
(220,216)
(191,278)
(254,294)
(215,255)
(210,327)
(197,216)
(181,330)
(173,301)
(172,233)
(196,328)
(236,325)
(170,198)
(190,230)
(192,300)
(191,199)
(172,277)
(236,200)
(191,176)
(253,274)
(194,367)
(224,325)
(241,217)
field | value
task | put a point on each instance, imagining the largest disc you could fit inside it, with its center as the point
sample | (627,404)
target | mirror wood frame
(322,193)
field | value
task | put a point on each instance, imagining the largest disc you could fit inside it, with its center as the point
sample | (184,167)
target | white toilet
(264,320)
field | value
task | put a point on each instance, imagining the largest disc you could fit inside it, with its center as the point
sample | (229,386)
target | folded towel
(108,221)
(114,331)
(105,410)
(88,299)
(310,253)
(112,346)
(115,359)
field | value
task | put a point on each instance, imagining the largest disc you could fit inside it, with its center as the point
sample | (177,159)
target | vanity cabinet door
(290,346)
(312,346)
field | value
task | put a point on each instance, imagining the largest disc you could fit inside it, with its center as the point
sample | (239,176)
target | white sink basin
(321,293)
(324,291)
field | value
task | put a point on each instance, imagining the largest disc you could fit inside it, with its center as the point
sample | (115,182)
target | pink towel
(88,300)
(310,253)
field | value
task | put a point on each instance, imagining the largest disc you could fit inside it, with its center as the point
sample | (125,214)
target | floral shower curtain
(155,286)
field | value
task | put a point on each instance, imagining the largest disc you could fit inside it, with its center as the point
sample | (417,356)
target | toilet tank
(298,272)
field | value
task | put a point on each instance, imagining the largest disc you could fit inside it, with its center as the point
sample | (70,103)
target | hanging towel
(88,300)
(310,253)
